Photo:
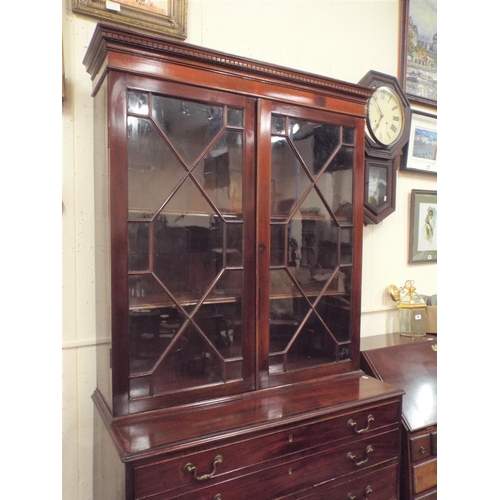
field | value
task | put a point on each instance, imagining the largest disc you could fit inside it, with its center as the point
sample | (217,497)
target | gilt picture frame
(418,51)
(165,17)
(423,227)
(421,152)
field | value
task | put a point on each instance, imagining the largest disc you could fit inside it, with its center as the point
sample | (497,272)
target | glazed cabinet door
(309,164)
(184,156)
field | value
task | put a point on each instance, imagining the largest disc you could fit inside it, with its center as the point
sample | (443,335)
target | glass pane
(138,246)
(278,244)
(145,292)
(235,117)
(336,316)
(220,172)
(278,124)
(289,180)
(377,186)
(346,246)
(348,135)
(153,170)
(190,126)
(304,136)
(313,345)
(336,188)
(183,257)
(326,141)
(138,103)
(151,332)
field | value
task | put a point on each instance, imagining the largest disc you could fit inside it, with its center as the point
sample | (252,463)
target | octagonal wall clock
(388,121)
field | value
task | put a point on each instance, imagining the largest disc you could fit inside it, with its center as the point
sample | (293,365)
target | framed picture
(166,17)
(418,50)
(423,226)
(420,153)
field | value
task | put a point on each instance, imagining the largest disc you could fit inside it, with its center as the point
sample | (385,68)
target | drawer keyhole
(290,438)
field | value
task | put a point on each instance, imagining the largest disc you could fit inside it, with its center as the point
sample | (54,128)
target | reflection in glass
(138,245)
(311,243)
(190,126)
(137,103)
(220,172)
(153,169)
(377,186)
(186,258)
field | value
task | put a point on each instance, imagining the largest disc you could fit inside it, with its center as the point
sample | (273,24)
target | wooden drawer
(379,485)
(326,463)
(425,476)
(171,474)
(420,447)
(423,445)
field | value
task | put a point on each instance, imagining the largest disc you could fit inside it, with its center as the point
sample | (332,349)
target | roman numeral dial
(385,116)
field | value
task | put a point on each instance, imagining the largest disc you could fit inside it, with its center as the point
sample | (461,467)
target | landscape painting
(419,50)
(153,6)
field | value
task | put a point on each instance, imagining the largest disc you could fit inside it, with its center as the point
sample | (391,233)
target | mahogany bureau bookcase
(229,214)
(412,365)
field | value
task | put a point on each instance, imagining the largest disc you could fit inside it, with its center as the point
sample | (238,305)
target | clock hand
(378,107)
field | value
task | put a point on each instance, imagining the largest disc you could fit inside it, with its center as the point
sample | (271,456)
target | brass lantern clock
(388,121)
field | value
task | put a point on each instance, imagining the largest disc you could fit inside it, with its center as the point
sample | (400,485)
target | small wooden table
(410,364)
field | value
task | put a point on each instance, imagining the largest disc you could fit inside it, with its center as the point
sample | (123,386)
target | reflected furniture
(229,215)
(411,363)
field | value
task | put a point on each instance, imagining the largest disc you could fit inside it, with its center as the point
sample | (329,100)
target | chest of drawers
(276,447)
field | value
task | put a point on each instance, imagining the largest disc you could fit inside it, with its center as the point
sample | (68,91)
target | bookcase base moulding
(229,215)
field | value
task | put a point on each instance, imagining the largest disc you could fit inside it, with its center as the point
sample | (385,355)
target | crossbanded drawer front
(299,474)
(172,474)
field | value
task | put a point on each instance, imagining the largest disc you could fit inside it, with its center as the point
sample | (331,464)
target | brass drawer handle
(191,468)
(352,423)
(217,497)
(352,457)
(368,491)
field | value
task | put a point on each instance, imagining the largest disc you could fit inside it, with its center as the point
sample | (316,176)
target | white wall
(340,39)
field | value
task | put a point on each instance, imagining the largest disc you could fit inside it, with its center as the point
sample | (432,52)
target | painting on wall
(418,54)
(420,154)
(423,226)
(165,17)
(160,7)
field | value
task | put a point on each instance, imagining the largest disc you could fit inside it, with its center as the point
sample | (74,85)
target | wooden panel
(425,476)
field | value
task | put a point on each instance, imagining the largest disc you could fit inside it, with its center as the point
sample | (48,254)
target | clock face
(385,116)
